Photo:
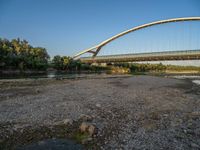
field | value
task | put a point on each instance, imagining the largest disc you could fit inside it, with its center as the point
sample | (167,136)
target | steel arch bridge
(181,55)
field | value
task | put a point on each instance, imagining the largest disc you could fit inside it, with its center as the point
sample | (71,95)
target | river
(195,78)
(57,75)
(66,75)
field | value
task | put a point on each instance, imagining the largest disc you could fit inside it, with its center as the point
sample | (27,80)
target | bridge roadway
(154,56)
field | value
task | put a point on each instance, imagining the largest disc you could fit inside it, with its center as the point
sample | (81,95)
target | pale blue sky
(66,27)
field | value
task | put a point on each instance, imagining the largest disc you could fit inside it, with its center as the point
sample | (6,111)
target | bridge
(147,56)
(155,56)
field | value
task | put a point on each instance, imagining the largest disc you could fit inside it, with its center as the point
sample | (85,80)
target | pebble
(165,115)
(68,121)
(98,105)
(65,122)
(185,131)
(194,145)
(37,91)
(123,113)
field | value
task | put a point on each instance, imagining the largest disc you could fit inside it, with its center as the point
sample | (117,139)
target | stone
(165,115)
(194,145)
(91,130)
(37,91)
(83,127)
(185,131)
(98,105)
(17,127)
(194,115)
(64,122)
(88,128)
(84,117)
(68,121)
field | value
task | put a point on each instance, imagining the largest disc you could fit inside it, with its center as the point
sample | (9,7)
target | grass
(79,137)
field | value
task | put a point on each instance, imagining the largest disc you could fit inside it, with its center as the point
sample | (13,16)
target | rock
(64,122)
(17,127)
(91,130)
(84,117)
(37,91)
(165,115)
(68,121)
(98,105)
(88,128)
(83,127)
(194,145)
(185,131)
(195,115)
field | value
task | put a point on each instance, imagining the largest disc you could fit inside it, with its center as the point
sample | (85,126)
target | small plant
(79,137)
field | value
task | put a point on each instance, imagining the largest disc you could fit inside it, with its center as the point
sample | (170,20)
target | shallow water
(196,82)
(52,144)
(194,79)
(186,77)
(47,75)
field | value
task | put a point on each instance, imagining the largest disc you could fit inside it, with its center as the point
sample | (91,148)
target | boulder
(91,130)
(88,128)
(83,127)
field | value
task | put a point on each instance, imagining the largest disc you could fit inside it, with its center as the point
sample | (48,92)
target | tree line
(140,67)
(67,63)
(19,54)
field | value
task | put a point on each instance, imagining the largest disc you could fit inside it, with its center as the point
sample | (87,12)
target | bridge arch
(95,49)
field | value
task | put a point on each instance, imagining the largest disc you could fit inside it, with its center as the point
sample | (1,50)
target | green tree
(19,54)
(57,62)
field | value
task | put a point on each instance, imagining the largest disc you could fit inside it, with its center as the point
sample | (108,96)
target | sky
(66,27)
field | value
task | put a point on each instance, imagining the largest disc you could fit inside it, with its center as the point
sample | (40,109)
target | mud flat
(138,112)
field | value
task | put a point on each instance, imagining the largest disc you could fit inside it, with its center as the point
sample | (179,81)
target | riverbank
(87,70)
(132,112)
(182,72)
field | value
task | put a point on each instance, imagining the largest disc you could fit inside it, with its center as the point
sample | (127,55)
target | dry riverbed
(138,112)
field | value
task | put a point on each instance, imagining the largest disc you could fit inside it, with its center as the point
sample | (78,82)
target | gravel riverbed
(138,112)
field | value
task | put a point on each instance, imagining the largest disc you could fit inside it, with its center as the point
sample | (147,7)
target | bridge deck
(155,56)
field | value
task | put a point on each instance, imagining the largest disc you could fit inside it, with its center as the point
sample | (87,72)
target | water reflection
(52,144)
(195,79)
(196,82)
(50,75)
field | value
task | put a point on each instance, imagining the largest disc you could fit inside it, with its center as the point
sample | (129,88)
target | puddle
(186,77)
(196,82)
(53,144)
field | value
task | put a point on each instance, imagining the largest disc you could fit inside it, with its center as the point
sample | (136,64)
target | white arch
(98,47)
